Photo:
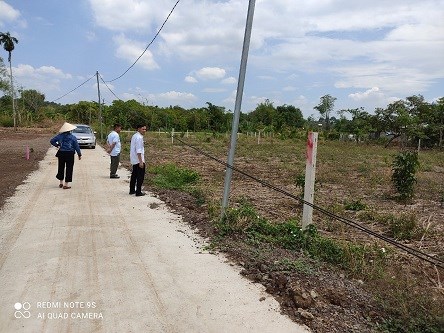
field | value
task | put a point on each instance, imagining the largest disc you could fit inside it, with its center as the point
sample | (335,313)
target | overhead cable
(154,38)
(414,252)
(112,92)
(73,89)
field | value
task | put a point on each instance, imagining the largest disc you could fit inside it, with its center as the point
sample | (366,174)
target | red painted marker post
(27,153)
(310,170)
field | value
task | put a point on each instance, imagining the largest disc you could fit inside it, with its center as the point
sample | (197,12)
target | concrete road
(95,259)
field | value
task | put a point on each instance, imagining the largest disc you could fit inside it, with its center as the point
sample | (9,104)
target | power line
(73,89)
(414,252)
(155,36)
(112,92)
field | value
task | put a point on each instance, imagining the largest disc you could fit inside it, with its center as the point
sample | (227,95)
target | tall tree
(31,101)
(263,115)
(288,116)
(325,107)
(217,119)
(8,42)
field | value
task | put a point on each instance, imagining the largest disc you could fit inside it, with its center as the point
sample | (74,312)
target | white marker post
(310,170)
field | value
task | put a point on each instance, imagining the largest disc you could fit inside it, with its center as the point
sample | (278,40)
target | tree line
(409,120)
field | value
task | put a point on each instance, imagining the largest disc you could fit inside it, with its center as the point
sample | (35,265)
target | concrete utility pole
(236,115)
(14,111)
(310,171)
(100,105)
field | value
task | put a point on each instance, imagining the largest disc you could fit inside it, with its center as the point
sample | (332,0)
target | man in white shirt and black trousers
(137,158)
(113,149)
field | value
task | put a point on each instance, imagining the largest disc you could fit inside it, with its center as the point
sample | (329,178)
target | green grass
(170,176)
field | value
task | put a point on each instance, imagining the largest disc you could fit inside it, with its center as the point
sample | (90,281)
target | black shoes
(114,176)
(141,194)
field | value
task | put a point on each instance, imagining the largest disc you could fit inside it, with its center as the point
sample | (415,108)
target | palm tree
(8,42)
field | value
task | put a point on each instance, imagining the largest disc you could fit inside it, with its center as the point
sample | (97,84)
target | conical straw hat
(67,127)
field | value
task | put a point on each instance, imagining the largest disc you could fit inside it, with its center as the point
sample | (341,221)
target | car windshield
(82,129)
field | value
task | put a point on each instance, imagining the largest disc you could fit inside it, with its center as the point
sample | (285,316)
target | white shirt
(114,137)
(136,147)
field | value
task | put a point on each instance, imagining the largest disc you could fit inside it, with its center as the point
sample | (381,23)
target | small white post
(172,135)
(310,170)
(259,137)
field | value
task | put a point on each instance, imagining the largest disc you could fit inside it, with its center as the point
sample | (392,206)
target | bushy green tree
(404,168)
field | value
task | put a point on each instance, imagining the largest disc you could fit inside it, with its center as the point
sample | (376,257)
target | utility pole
(100,105)
(237,108)
(14,111)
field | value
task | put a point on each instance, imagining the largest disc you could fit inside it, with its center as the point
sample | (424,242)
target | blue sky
(364,53)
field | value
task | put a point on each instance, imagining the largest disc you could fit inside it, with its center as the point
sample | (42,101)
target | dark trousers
(137,177)
(66,161)
(114,165)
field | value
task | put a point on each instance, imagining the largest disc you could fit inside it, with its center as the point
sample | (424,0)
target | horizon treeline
(412,119)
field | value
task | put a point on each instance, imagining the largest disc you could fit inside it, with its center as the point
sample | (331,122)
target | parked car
(85,136)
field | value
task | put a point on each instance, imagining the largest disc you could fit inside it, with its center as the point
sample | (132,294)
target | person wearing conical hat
(68,146)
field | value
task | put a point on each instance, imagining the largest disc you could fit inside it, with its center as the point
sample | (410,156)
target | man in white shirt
(137,159)
(114,146)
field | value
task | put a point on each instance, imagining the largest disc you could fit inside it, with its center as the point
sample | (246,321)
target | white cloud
(210,73)
(190,79)
(43,79)
(7,13)
(174,97)
(231,99)
(229,80)
(128,15)
(366,94)
(256,100)
(130,50)
(27,71)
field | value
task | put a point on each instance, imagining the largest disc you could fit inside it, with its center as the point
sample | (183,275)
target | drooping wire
(112,92)
(146,48)
(74,89)
(414,252)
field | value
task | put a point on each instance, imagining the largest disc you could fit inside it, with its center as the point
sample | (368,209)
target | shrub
(404,227)
(404,169)
(170,176)
(6,121)
(355,205)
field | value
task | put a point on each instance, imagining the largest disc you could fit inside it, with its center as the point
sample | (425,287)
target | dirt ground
(323,299)
(14,165)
